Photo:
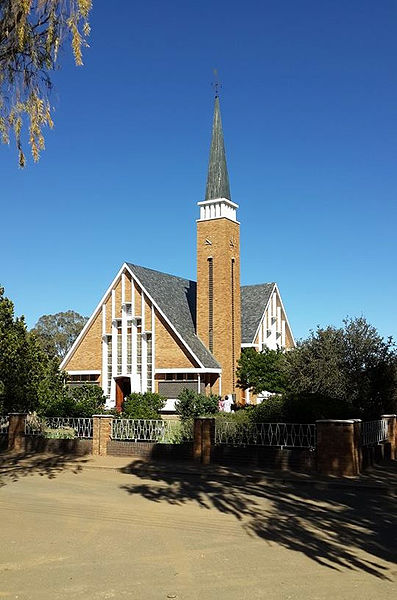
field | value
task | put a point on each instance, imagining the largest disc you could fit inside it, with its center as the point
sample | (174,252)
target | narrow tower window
(149,361)
(211,304)
(139,345)
(233,341)
(109,365)
(119,347)
(129,347)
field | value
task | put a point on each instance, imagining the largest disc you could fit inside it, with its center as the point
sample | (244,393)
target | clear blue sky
(308,104)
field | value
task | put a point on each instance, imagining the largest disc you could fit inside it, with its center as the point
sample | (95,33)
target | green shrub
(271,410)
(60,433)
(208,405)
(185,405)
(190,404)
(78,401)
(143,406)
(89,399)
(239,417)
(307,408)
(179,432)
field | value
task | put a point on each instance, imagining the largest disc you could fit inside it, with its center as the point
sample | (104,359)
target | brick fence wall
(151,450)
(338,451)
(284,459)
(76,446)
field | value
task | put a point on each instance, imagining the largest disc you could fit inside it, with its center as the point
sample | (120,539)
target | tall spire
(218,179)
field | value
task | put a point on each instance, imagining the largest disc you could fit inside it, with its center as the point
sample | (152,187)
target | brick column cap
(388,416)
(347,421)
(12,414)
(103,416)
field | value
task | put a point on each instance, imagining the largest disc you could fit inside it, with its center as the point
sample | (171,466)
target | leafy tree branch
(31,34)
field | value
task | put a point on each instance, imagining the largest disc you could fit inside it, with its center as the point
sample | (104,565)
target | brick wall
(88,354)
(224,236)
(78,447)
(149,450)
(292,459)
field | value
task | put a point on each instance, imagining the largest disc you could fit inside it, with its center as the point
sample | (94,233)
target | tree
(317,365)
(350,371)
(57,333)
(371,364)
(26,372)
(261,371)
(346,372)
(31,34)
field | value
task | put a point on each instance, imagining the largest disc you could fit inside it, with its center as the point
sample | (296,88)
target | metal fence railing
(374,432)
(294,435)
(59,427)
(152,430)
(4,421)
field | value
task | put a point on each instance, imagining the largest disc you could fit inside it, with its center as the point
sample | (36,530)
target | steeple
(218,179)
(218,300)
(217,203)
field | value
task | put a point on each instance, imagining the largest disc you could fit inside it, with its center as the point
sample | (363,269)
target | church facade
(153,331)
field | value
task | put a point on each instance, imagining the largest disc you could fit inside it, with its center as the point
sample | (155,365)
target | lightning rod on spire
(216,84)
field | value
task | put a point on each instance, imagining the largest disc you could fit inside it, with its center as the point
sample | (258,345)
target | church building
(152,331)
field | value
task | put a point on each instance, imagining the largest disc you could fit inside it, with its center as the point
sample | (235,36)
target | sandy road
(104,534)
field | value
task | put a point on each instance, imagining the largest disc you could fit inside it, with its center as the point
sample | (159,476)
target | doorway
(123,389)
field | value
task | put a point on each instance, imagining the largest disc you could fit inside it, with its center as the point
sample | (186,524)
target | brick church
(157,332)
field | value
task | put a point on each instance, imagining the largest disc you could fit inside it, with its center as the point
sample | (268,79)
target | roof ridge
(161,272)
(259,284)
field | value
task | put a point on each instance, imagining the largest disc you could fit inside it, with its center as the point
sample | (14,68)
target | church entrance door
(123,389)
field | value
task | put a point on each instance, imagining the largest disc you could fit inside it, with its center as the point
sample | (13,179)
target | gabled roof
(254,299)
(176,298)
(218,178)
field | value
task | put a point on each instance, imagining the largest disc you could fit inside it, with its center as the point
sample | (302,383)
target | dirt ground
(74,529)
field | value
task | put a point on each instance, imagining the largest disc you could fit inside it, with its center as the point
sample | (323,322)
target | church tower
(218,265)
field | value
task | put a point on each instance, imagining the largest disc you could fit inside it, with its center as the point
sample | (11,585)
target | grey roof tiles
(176,298)
(254,299)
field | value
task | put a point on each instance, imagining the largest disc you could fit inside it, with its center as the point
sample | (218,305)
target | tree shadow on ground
(340,526)
(13,465)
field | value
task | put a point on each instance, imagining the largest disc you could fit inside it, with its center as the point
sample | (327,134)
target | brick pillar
(357,445)
(197,439)
(204,434)
(208,440)
(390,446)
(338,447)
(16,431)
(101,434)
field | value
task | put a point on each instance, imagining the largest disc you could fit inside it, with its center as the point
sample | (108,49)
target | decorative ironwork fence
(293,435)
(4,425)
(374,432)
(59,427)
(152,430)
